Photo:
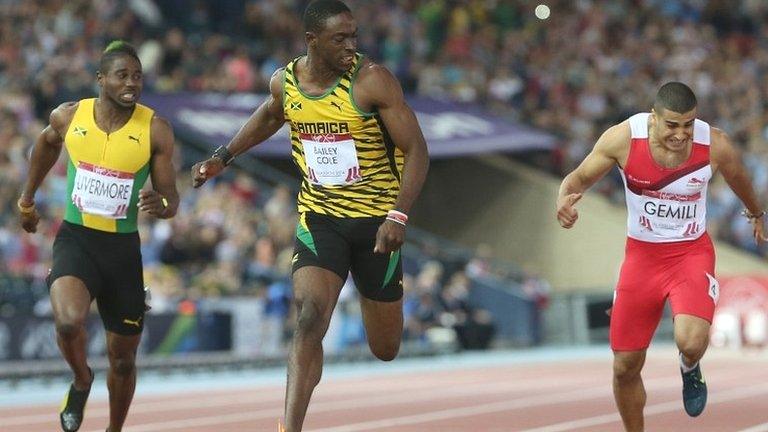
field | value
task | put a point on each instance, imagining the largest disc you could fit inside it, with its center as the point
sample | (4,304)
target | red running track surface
(573,395)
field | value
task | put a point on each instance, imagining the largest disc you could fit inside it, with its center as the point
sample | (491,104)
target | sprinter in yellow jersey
(363,159)
(113,145)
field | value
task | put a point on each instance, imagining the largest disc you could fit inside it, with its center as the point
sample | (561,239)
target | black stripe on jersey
(364,208)
(356,201)
(379,190)
(372,190)
(382,163)
(369,134)
(390,146)
(368,141)
(364,190)
(315,205)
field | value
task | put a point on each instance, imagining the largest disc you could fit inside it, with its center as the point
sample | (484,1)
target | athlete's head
(674,112)
(331,33)
(119,75)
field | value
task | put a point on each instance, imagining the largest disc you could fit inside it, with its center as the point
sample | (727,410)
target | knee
(123,365)
(626,371)
(693,348)
(309,320)
(387,352)
(69,329)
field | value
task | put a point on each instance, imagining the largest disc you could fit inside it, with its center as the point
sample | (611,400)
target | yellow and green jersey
(106,171)
(351,167)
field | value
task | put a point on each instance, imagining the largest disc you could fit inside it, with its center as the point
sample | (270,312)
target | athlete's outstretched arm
(727,159)
(163,200)
(44,155)
(594,167)
(263,123)
(386,96)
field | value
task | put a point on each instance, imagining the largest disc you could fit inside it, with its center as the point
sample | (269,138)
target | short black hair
(675,96)
(320,10)
(114,50)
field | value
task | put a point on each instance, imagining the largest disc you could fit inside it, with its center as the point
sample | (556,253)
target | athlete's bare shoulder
(721,151)
(276,83)
(371,72)
(62,115)
(718,137)
(376,87)
(278,75)
(614,142)
(274,102)
(162,135)
(161,123)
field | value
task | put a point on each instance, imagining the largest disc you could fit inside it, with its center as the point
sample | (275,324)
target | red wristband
(397,217)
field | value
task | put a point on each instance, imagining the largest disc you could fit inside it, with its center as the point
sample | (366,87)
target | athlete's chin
(124,104)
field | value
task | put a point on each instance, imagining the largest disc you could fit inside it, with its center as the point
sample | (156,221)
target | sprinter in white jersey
(666,159)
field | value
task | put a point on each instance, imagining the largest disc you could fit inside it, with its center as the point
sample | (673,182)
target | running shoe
(694,391)
(73,406)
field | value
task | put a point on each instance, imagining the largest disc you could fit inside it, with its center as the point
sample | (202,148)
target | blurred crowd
(592,63)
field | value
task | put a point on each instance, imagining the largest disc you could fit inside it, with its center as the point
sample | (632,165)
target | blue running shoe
(694,392)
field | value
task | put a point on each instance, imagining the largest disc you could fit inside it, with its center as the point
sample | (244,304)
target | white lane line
(762,427)
(584,394)
(186,402)
(512,404)
(408,397)
(720,397)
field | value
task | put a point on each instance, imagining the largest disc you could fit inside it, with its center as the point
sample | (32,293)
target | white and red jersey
(666,204)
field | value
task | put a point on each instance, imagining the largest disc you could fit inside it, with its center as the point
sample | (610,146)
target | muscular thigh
(378,277)
(316,291)
(73,258)
(696,290)
(121,301)
(321,243)
(638,304)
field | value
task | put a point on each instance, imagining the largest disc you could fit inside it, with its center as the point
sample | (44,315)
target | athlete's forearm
(44,156)
(741,185)
(260,126)
(571,184)
(414,173)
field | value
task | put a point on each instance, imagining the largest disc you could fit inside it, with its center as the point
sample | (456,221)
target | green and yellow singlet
(351,167)
(106,171)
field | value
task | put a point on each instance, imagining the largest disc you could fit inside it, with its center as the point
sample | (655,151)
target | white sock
(684,367)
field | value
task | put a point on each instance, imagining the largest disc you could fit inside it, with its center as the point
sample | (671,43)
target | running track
(533,391)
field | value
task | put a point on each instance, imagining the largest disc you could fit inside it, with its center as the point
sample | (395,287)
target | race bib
(331,159)
(102,191)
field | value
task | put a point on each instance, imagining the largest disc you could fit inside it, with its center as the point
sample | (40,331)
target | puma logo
(136,323)
(131,137)
(333,103)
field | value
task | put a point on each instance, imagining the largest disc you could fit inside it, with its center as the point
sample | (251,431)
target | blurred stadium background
(509,103)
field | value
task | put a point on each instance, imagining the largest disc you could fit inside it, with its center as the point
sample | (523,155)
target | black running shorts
(344,245)
(110,266)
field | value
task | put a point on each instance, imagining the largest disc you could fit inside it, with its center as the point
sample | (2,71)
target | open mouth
(128,97)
